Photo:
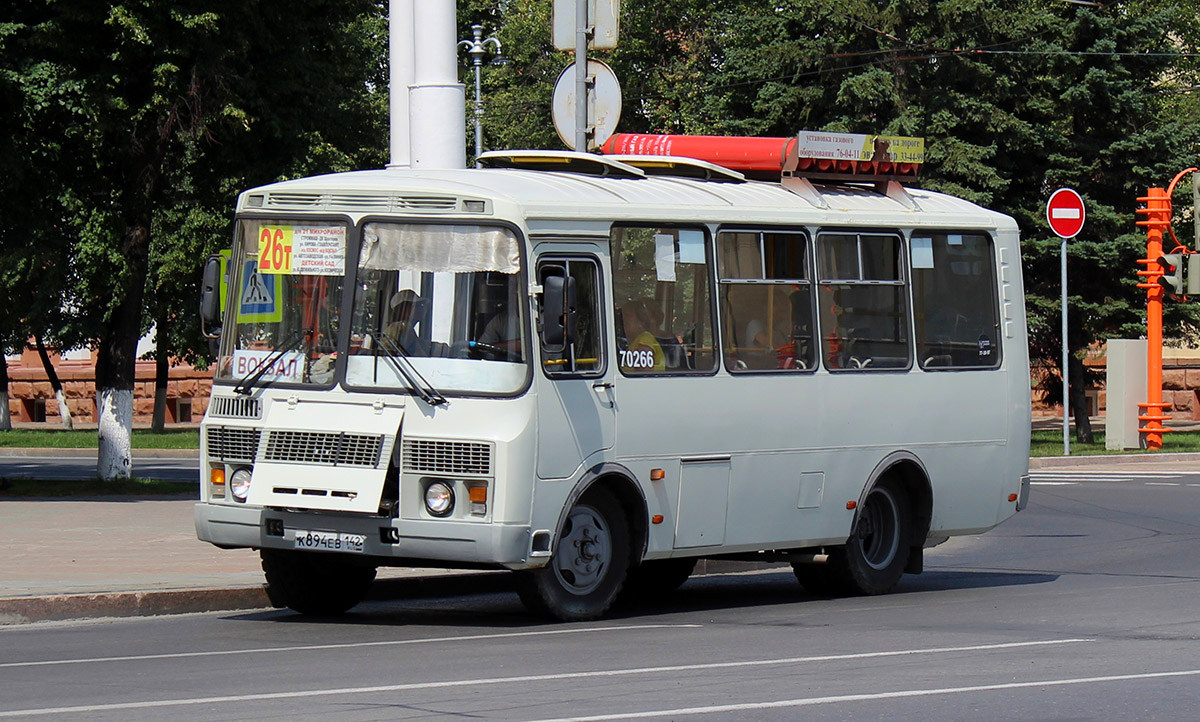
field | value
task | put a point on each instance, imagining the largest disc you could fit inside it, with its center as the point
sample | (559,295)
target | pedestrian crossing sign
(258,300)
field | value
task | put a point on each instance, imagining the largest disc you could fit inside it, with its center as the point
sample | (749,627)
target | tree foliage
(1015,99)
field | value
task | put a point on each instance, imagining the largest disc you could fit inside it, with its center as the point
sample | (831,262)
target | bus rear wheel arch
(884,543)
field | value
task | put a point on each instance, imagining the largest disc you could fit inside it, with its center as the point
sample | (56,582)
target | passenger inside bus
(641,350)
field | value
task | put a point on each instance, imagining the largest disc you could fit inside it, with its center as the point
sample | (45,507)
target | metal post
(476,47)
(581,83)
(1066,357)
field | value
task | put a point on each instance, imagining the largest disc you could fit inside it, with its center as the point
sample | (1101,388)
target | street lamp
(477,48)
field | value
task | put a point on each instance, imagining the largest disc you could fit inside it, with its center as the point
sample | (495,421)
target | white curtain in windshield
(439,248)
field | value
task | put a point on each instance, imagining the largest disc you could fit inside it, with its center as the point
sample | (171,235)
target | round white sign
(604,104)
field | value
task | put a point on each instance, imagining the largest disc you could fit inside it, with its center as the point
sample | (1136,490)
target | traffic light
(1171,265)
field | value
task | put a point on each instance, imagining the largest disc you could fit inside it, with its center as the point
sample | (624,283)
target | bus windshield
(443,300)
(286,279)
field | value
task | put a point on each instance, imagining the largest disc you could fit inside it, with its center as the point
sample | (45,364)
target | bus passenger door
(576,415)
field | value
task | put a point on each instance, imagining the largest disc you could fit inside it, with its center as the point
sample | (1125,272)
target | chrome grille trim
(446,457)
(235,407)
(325,449)
(232,443)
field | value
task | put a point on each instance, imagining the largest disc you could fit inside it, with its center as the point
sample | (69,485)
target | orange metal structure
(1158,220)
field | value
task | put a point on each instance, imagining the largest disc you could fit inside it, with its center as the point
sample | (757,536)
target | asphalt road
(84,467)
(1084,606)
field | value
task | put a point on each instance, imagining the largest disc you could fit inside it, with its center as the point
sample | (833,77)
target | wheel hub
(585,551)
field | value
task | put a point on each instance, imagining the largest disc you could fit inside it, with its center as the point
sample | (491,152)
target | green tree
(1015,99)
(124,102)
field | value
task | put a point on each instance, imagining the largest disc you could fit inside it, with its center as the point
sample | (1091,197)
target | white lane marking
(347,645)
(1163,483)
(1107,472)
(149,704)
(811,701)
(1054,483)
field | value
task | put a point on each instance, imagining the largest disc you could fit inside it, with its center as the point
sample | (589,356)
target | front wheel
(588,566)
(314,583)
(873,559)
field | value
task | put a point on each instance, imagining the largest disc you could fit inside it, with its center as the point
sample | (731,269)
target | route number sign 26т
(275,249)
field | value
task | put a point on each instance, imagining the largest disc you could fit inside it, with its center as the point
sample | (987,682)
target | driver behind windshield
(406,311)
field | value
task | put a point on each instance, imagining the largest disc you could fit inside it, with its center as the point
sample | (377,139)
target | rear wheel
(588,566)
(313,583)
(873,559)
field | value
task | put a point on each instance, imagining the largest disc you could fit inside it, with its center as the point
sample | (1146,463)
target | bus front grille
(447,457)
(229,407)
(228,443)
(309,447)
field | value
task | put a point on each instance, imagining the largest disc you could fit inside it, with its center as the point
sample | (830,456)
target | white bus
(594,371)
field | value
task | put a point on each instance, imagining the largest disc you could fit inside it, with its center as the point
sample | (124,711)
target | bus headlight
(239,484)
(439,499)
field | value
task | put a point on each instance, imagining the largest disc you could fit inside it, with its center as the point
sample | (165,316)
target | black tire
(589,564)
(657,578)
(874,557)
(313,583)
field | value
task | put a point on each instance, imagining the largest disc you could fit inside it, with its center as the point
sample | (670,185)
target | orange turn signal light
(478,494)
(657,475)
(217,476)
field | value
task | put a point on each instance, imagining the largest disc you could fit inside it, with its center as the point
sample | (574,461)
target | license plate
(330,541)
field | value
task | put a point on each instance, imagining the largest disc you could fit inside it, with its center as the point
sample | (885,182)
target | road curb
(1048,462)
(18,451)
(61,607)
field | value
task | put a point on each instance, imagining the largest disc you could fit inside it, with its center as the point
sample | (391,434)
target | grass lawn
(86,439)
(16,488)
(1049,443)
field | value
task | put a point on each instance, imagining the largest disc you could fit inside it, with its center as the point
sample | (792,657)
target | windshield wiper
(255,374)
(416,381)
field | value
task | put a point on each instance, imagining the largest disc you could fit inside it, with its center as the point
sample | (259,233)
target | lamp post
(476,47)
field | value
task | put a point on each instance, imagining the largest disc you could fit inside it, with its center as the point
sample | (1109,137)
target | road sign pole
(581,84)
(1065,213)
(1066,357)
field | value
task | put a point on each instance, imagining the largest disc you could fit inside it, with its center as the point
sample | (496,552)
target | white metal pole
(437,103)
(581,83)
(1066,356)
(400,75)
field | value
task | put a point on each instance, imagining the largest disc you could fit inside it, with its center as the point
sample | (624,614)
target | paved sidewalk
(129,556)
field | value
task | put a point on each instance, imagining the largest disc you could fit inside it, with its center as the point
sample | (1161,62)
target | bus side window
(661,307)
(863,304)
(955,301)
(584,356)
(766,301)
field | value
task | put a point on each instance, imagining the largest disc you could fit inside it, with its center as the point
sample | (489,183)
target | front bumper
(421,542)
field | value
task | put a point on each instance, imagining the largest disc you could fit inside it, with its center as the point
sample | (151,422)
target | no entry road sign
(1065,212)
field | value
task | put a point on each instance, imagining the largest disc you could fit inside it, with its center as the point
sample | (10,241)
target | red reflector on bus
(852,505)
(1012,497)
(656,519)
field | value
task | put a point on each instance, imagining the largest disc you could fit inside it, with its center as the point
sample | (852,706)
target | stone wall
(30,392)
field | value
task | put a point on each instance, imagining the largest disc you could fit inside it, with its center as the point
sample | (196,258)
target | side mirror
(559,311)
(210,294)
